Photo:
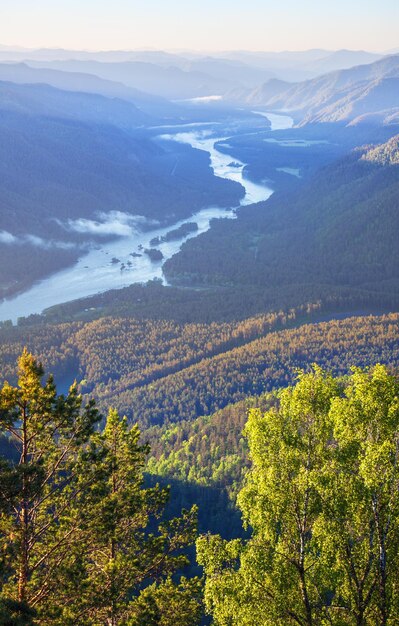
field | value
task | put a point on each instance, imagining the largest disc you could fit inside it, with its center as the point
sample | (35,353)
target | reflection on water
(116,264)
(224,165)
(278,122)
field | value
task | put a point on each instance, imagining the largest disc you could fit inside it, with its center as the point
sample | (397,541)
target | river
(95,272)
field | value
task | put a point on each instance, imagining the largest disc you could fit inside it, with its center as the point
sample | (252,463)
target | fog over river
(95,272)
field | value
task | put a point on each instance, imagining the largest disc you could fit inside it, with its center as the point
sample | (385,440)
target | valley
(199,333)
(95,271)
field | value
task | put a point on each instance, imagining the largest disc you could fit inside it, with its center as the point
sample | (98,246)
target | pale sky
(201,24)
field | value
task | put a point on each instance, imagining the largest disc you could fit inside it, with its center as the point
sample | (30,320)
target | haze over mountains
(365,93)
(79,133)
(190,75)
(315,85)
(180,232)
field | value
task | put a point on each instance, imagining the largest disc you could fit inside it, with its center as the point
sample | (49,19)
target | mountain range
(77,141)
(365,93)
(184,75)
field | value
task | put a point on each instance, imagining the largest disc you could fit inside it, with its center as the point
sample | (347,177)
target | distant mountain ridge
(180,75)
(303,65)
(362,93)
(46,100)
(22,73)
(169,82)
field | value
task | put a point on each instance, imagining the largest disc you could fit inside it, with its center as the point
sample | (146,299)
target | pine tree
(127,546)
(48,432)
(82,540)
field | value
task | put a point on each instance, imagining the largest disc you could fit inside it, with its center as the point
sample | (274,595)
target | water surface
(111,265)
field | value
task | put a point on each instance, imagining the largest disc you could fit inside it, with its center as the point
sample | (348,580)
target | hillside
(83,82)
(45,100)
(301,65)
(169,82)
(160,372)
(338,230)
(340,96)
(386,154)
(189,385)
(65,156)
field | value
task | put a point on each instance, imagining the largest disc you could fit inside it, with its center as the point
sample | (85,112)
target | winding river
(95,272)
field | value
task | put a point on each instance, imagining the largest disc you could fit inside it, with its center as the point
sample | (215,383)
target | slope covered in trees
(67,156)
(137,170)
(109,348)
(85,542)
(362,93)
(254,368)
(158,371)
(339,229)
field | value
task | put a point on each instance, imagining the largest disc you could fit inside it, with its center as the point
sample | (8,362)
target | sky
(208,25)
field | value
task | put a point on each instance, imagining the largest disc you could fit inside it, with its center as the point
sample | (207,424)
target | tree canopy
(321,499)
(82,540)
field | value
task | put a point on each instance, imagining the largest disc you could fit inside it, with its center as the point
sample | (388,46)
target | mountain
(23,73)
(294,66)
(236,72)
(190,75)
(341,96)
(170,82)
(68,156)
(159,57)
(376,102)
(43,100)
(270,90)
(338,229)
(341,60)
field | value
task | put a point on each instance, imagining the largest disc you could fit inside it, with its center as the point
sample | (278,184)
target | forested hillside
(339,229)
(365,93)
(189,386)
(320,456)
(157,372)
(67,156)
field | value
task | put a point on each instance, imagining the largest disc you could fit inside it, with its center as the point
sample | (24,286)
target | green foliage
(338,229)
(157,371)
(205,461)
(168,604)
(322,501)
(360,523)
(81,538)
(13,613)
(127,545)
(48,432)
